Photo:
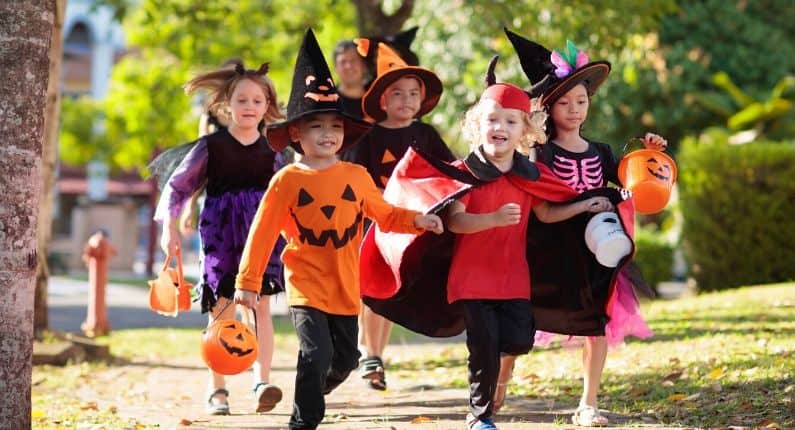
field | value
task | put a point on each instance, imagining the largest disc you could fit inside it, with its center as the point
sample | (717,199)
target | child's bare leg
(217,401)
(507,363)
(594,355)
(267,395)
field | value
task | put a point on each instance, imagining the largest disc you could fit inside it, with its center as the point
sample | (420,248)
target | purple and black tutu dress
(236,177)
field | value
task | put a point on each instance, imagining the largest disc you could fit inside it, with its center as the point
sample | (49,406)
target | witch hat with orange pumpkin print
(313,92)
(390,68)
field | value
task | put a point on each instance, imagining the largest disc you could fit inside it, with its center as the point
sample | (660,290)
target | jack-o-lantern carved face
(340,211)
(236,341)
(320,91)
(659,169)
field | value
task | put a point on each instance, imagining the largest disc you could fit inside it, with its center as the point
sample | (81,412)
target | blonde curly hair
(534,122)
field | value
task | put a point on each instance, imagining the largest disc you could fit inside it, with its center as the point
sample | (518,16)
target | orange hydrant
(96,254)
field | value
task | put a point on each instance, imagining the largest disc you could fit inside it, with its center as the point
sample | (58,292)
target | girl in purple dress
(235,165)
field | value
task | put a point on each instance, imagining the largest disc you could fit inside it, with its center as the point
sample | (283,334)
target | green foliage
(737,203)
(171,41)
(770,116)
(658,79)
(458,47)
(654,256)
(81,139)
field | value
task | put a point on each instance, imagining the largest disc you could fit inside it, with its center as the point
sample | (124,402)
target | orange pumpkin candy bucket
(228,347)
(170,293)
(650,175)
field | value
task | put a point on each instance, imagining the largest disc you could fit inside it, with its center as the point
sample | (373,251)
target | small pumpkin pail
(228,347)
(650,175)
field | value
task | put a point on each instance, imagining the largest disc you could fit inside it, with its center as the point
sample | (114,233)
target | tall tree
(48,160)
(25,36)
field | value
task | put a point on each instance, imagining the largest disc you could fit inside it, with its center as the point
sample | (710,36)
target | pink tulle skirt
(625,319)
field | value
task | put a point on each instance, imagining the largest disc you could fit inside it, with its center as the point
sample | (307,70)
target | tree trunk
(25,36)
(49,153)
(372,21)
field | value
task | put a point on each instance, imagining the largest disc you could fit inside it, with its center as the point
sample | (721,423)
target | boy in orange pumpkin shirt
(319,204)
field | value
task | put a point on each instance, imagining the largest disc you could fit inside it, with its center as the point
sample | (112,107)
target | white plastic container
(606,239)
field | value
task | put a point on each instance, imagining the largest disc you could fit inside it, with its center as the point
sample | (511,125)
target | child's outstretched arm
(262,235)
(459,221)
(550,212)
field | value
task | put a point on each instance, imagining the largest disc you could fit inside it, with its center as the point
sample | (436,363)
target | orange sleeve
(262,235)
(387,216)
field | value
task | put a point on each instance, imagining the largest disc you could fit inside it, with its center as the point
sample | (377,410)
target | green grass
(716,360)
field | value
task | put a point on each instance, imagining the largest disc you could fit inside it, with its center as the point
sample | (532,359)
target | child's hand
(246,298)
(169,241)
(186,226)
(655,142)
(508,214)
(597,204)
(429,222)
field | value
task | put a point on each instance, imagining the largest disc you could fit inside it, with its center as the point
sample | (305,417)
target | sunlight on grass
(719,359)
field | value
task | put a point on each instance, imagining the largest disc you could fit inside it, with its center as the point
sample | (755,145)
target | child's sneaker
(267,395)
(480,423)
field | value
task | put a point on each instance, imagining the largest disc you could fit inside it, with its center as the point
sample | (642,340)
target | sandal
(588,416)
(373,371)
(267,395)
(218,408)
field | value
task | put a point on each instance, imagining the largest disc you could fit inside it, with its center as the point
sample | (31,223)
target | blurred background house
(90,197)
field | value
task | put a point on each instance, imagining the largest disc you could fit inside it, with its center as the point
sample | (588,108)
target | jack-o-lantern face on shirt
(660,169)
(326,215)
(319,90)
(236,341)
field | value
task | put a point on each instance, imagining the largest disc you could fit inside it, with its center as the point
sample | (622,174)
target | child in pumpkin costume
(235,164)
(565,82)
(398,97)
(319,204)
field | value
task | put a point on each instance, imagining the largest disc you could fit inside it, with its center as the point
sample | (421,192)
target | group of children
(320,206)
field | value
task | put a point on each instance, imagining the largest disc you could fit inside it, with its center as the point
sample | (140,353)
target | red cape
(404,277)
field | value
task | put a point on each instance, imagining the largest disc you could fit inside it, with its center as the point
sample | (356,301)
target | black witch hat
(313,92)
(553,73)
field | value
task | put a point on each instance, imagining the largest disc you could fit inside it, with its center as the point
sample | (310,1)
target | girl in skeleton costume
(566,81)
(235,164)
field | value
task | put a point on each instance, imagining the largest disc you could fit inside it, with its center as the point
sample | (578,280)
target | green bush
(737,202)
(654,256)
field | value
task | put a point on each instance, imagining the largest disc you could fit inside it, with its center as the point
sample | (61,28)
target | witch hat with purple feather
(554,73)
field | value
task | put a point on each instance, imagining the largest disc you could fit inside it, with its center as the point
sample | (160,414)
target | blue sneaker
(480,423)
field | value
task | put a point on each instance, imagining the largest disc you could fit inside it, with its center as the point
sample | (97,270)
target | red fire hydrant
(96,254)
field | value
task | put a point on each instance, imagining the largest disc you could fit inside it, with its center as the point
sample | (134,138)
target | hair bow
(569,61)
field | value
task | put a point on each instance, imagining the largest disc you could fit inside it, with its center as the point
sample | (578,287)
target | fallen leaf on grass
(673,376)
(716,373)
(691,397)
(639,391)
(676,397)
(421,420)
(745,406)
(89,406)
(185,422)
(769,424)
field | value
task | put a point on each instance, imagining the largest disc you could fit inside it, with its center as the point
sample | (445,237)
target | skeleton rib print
(580,175)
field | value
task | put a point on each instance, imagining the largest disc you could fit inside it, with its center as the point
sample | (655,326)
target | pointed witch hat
(313,92)
(399,42)
(553,73)
(391,68)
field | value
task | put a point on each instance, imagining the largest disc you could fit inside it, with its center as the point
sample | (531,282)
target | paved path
(164,392)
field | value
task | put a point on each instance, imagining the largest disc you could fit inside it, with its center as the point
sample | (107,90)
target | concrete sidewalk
(128,307)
